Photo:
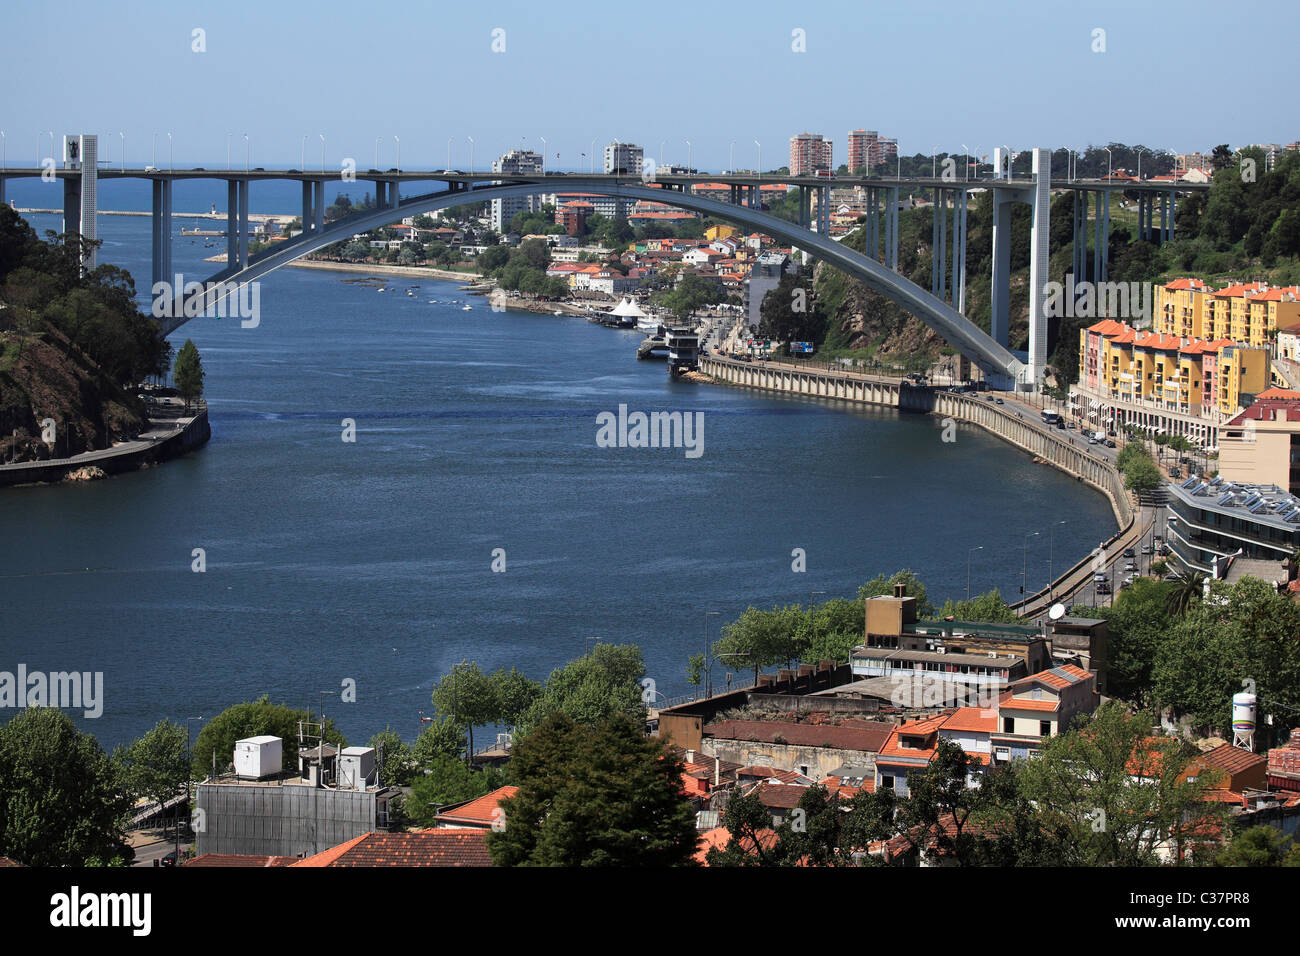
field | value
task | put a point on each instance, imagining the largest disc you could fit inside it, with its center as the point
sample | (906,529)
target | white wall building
(520,162)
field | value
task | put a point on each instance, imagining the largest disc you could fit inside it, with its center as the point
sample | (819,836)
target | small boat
(467,307)
(381,288)
(410,293)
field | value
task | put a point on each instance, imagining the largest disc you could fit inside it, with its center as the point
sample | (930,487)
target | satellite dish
(1056,612)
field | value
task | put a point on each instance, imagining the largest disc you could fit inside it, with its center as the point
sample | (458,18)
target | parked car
(1071,425)
(1091,440)
(1102,587)
(1130,566)
(1110,443)
(1130,553)
(1146,549)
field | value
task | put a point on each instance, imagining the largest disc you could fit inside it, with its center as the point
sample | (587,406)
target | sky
(937,76)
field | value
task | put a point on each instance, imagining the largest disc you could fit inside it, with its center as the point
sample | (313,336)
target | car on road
(1146,549)
(1130,553)
(1091,440)
(1071,425)
(1110,443)
(1130,566)
(169,859)
(1102,588)
(1128,580)
(1099,578)
(998,401)
(1164,550)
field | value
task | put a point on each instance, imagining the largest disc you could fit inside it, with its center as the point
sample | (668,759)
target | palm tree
(1185,593)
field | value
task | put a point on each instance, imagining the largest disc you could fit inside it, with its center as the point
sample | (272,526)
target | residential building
(624,159)
(518,162)
(1261,445)
(1284,765)
(573,216)
(809,152)
(1237,770)
(477,814)
(1185,161)
(1039,706)
(764,276)
(813,750)
(863,148)
(1211,522)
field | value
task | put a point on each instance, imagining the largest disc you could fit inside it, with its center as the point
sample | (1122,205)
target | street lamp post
(543,139)
(322,152)
(449,139)
(966,152)
(708,661)
(934,162)
(688,157)
(122,134)
(759,170)
(1108,159)
(970,554)
(153,152)
(1051,550)
(189,777)
(1140,150)
(1024,573)
(399,153)
(377,139)
(731,158)
(593,155)
(171,166)
(247,153)
(471,154)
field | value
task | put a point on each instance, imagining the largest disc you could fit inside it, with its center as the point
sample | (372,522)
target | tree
(597,686)
(1135,628)
(442,737)
(188,373)
(469,697)
(940,803)
(1243,636)
(397,764)
(789,313)
(1142,476)
(442,782)
(988,608)
(1083,783)
(156,765)
(63,802)
(216,741)
(603,795)
(1259,846)
(761,639)
(881,585)
(751,840)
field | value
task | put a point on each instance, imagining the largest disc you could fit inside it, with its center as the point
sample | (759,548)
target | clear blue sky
(1180,76)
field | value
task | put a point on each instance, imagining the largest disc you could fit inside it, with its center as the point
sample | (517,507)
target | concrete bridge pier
(1000,315)
(318,205)
(162,233)
(959,250)
(1038,254)
(232,221)
(891,230)
(307,218)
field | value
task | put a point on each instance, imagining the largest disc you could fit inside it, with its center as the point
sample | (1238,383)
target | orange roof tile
(477,811)
(720,837)
(421,848)
(1277,394)
(972,720)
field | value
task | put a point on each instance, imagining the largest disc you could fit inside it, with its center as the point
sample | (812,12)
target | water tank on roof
(258,757)
(1243,720)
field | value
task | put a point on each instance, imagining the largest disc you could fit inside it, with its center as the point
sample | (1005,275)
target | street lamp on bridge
(399,153)
(593,155)
(123,156)
(1108,158)
(471,154)
(688,157)
(171,166)
(759,171)
(302,155)
(970,554)
(966,151)
(247,153)
(322,152)
(731,158)
(449,139)
(377,139)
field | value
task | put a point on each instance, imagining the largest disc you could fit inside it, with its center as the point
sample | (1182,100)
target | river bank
(171,433)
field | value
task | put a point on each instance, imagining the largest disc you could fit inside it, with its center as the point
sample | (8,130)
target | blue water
(475,431)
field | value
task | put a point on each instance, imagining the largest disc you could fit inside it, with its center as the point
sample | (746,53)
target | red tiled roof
(1279,394)
(5,861)
(422,848)
(865,735)
(1185,284)
(720,837)
(239,859)
(972,720)
(478,811)
(779,796)
(1107,327)
(1231,760)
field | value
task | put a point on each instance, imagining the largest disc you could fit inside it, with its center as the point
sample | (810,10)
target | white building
(624,159)
(520,162)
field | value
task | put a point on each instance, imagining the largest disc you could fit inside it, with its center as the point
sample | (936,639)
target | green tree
(155,766)
(790,313)
(397,767)
(761,639)
(188,373)
(1083,784)
(597,686)
(469,697)
(987,608)
(443,781)
(1142,475)
(881,585)
(63,801)
(443,737)
(215,744)
(602,795)
(1259,846)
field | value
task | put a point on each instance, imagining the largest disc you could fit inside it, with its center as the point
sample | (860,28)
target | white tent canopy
(626,308)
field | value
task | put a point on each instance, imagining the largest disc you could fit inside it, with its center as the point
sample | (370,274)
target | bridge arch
(961,333)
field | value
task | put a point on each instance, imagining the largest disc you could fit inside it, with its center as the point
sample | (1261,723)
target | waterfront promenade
(172,431)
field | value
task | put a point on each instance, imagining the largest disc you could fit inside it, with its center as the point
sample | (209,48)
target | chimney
(717,771)
(900,590)
(690,756)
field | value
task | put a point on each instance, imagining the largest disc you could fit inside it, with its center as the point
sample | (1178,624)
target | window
(1044,728)
(1008,725)
(887,782)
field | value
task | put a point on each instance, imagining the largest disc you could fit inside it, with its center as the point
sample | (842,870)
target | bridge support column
(307,218)
(1000,313)
(941,215)
(318,205)
(959,250)
(1038,254)
(243,224)
(232,222)
(893,228)
(72,204)
(1103,234)
(162,237)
